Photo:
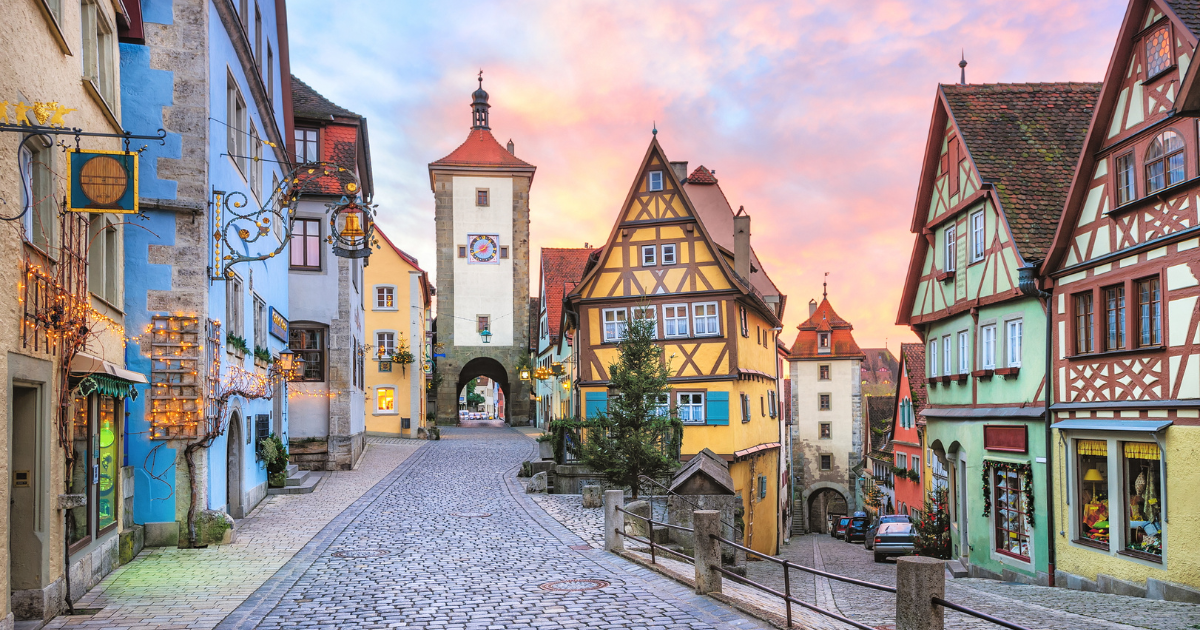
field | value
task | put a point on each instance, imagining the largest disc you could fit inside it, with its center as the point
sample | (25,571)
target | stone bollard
(537,483)
(707,524)
(592,497)
(614,521)
(917,580)
(638,526)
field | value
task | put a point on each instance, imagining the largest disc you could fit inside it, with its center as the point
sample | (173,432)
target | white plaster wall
(483,289)
(843,373)
(312,295)
(308,410)
(416,336)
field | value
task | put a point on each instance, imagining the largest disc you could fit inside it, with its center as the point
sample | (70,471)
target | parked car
(843,523)
(869,538)
(857,529)
(894,539)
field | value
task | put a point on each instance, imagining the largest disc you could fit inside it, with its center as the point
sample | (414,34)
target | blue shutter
(717,408)
(596,404)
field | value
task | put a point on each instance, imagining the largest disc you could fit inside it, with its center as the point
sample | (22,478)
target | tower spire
(962,79)
(479,106)
(825,287)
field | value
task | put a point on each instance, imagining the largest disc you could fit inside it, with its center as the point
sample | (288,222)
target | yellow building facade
(399,298)
(678,255)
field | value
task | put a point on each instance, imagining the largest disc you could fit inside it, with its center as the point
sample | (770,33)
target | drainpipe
(1028,284)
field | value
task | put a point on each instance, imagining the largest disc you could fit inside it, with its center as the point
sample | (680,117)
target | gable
(649,205)
(955,179)
(1155,61)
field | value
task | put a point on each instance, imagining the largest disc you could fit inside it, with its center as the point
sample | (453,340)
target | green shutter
(596,404)
(717,408)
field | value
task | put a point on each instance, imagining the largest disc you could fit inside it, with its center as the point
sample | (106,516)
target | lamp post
(486,335)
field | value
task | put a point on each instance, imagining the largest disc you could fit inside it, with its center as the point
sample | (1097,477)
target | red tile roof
(562,269)
(912,355)
(481,149)
(879,366)
(701,176)
(411,260)
(824,319)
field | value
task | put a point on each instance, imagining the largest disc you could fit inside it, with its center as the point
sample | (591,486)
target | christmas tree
(933,529)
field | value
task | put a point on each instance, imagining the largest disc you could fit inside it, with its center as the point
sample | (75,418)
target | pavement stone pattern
(170,588)
(587,523)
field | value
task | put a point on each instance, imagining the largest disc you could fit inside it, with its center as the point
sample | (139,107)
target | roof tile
(481,149)
(562,269)
(824,319)
(308,103)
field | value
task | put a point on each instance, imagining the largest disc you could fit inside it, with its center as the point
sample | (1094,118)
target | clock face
(483,248)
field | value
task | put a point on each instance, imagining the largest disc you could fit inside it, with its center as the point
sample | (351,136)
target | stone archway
(491,368)
(822,503)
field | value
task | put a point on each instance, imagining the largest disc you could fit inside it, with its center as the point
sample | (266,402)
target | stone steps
(299,482)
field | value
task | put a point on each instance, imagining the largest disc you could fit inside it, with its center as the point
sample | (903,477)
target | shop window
(1092,466)
(1143,506)
(1012,537)
(309,345)
(95,471)
(78,521)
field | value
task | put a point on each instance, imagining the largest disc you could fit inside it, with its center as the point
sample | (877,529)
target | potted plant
(546,446)
(237,345)
(262,357)
(275,457)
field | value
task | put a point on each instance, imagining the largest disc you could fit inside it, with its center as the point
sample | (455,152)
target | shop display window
(1012,535)
(1143,507)
(106,497)
(1093,491)
(77,521)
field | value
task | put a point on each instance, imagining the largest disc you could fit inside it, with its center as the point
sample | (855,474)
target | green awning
(106,385)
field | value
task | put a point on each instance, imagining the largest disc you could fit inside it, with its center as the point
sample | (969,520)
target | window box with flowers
(237,345)
(262,357)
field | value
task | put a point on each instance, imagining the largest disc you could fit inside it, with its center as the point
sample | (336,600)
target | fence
(921,582)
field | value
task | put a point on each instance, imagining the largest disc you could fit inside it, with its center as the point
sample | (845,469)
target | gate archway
(822,504)
(494,370)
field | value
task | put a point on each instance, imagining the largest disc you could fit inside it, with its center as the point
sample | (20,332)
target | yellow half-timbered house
(680,256)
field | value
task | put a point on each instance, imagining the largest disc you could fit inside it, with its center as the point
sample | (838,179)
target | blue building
(211,73)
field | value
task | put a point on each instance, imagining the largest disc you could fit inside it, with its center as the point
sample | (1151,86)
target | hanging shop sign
(278,325)
(48,113)
(102,181)
(483,249)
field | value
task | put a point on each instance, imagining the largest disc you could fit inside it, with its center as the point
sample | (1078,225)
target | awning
(1143,426)
(88,364)
(754,449)
(985,412)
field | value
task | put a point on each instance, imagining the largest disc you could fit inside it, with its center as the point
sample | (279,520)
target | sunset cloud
(814,114)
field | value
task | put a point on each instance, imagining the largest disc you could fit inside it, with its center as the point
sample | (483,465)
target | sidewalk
(194,589)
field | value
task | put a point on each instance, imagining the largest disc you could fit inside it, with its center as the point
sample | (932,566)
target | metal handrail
(652,545)
(676,494)
(685,529)
(786,564)
(975,613)
(650,530)
(789,600)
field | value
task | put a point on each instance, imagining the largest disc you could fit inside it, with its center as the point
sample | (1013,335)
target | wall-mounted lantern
(486,335)
(524,374)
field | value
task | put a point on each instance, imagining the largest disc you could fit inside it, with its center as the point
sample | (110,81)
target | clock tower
(481,194)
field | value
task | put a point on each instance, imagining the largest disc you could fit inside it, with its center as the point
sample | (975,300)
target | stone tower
(481,192)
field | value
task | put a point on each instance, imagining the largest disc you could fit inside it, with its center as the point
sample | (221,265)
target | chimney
(680,169)
(511,147)
(812,307)
(741,244)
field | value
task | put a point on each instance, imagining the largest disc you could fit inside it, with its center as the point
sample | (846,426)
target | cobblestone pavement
(167,588)
(450,540)
(587,523)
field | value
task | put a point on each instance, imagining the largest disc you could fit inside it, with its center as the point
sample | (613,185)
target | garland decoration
(1021,468)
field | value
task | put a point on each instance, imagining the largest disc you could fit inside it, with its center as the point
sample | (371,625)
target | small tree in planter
(275,456)
(933,529)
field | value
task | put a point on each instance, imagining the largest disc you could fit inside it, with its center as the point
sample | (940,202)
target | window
(823,343)
(503,251)
(1083,323)
(385,400)
(675,320)
(1011,536)
(762,487)
(964,361)
(648,254)
(482,323)
(745,408)
(947,369)
(933,357)
(1015,329)
(773,403)
(615,324)
(662,406)
(1149,313)
(481,197)
(1164,161)
(235,298)
(1142,488)
(824,402)
(691,407)
(385,297)
(306,146)
(37,194)
(278,221)
(668,254)
(462,251)
(901,461)
(306,244)
(385,343)
(235,123)
(269,77)
(1126,189)
(826,462)
(823,373)
(1158,51)
(255,163)
(260,323)
(1114,317)
(1091,457)
(309,345)
(96,438)
(951,247)
(742,320)
(978,242)
(825,430)
(916,463)
(656,181)
(704,319)
(988,346)
(104,264)
(647,313)
(257,35)
(98,66)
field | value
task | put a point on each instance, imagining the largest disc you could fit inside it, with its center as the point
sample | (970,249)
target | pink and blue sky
(814,114)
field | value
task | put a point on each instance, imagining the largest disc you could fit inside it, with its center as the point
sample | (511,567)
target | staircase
(299,481)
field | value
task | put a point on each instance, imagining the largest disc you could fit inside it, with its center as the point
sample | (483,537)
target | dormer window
(656,182)
(823,343)
(1164,162)
(1158,51)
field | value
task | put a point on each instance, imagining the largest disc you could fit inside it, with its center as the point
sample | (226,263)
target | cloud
(814,114)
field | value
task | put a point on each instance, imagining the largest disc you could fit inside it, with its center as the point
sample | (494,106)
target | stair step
(956,569)
(310,484)
(291,469)
(298,478)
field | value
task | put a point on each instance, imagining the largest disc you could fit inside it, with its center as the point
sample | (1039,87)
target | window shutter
(596,404)
(717,408)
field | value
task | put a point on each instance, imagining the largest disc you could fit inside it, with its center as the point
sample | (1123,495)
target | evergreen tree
(933,529)
(638,435)
(473,398)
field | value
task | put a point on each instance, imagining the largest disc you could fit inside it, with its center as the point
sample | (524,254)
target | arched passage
(821,504)
(494,370)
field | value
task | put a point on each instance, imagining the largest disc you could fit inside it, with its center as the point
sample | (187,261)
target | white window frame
(675,320)
(691,406)
(98,56)
(385,412)
(915,463)
(933,357)
(901,461)
(947,367)
(950,246)
(669,254)
(619,322)
(640,312)
(235,123)
(1014,331)
(259,315)
(655,181)
(304,143)
(382,343)
(104,260)
(964,357)
(375,291)
(235,296)
(824,343)
(706,318)
(255,163)
(987,346)
(649,256)
(978,236)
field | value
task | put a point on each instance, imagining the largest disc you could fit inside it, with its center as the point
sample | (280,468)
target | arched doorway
(233,466)
(494,371)
(822,504)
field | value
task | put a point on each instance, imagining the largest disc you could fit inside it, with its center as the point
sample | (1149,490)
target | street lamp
(524,374)
(286,360)
(487,335)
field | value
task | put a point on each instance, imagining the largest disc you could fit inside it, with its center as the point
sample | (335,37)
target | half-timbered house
(679,256)
(997,163)
(908,430)
(1124,265)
